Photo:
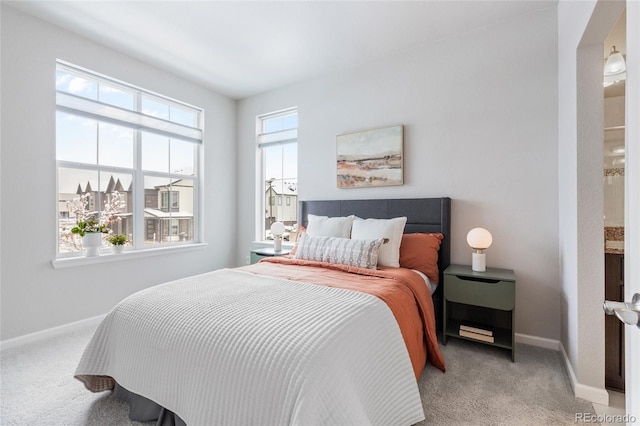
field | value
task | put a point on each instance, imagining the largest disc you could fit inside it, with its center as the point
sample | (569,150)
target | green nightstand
(261,253)
(482,303)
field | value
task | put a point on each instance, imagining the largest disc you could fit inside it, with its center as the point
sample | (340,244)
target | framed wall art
(370,158)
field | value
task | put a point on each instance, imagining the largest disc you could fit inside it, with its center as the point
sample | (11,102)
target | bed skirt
(142,409)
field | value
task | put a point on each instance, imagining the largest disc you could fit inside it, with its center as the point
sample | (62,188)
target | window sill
(70,262)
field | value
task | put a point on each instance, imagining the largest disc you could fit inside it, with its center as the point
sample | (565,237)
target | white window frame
(266,139)
(138,121)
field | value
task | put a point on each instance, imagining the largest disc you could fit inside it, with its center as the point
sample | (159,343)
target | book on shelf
(477,330)
(477,336)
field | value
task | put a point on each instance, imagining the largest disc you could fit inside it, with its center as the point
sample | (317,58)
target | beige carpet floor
(481,387)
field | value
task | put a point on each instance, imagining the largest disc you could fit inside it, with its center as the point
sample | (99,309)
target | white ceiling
(240,48)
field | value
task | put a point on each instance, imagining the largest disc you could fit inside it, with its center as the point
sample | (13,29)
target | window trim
(111,114)
(139,122)
(80,71)
(70,262)
(265,140)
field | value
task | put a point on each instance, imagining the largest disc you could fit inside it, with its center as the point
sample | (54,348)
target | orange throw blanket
(401,289)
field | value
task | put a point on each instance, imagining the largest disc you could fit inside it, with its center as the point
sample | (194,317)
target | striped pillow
(344,251)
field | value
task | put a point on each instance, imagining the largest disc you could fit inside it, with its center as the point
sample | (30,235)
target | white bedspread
(232,348)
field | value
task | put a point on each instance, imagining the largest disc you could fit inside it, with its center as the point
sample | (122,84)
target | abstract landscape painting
(370,158)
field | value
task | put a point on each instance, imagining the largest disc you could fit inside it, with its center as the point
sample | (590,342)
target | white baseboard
(590,393)
(50,332)
(569,367)
(541,342)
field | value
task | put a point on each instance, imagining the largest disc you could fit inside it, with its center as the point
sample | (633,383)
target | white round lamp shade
(277,228)
(479,238)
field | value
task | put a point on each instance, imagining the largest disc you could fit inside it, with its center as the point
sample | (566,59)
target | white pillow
(345,251)
(371,229)
(324,226)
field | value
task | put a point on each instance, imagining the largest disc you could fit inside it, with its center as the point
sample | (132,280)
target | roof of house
(283,186)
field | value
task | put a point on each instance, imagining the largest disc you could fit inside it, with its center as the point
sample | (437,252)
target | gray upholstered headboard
(423,215)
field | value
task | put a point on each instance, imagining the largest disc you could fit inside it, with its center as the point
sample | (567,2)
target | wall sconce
(479,239)
(277,229)
(615,69)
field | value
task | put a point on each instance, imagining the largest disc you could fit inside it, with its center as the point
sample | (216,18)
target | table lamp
(479,239)
(277,229)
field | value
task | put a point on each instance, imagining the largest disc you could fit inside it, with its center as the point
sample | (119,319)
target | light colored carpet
(37,387)
(481,387)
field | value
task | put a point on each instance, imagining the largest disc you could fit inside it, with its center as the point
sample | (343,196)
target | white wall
(582,27)
(480,116)
(34,295)
(571,23)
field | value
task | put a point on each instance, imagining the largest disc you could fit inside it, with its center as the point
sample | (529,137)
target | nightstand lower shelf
(502,336)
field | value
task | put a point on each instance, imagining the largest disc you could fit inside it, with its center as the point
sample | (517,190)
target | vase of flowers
(91,225)
(118,241)
(91,233)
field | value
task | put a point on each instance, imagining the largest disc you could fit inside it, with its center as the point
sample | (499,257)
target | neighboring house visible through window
(278,142)
(170,199)
(125,157)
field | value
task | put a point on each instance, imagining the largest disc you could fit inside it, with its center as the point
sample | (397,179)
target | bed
(285,341)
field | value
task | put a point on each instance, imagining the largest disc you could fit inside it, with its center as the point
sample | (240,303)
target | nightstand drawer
(475,291)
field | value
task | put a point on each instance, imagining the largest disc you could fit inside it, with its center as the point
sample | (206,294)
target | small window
(170,201)
(278,143)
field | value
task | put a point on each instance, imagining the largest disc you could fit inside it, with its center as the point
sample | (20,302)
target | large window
(127,159)
(278,142)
